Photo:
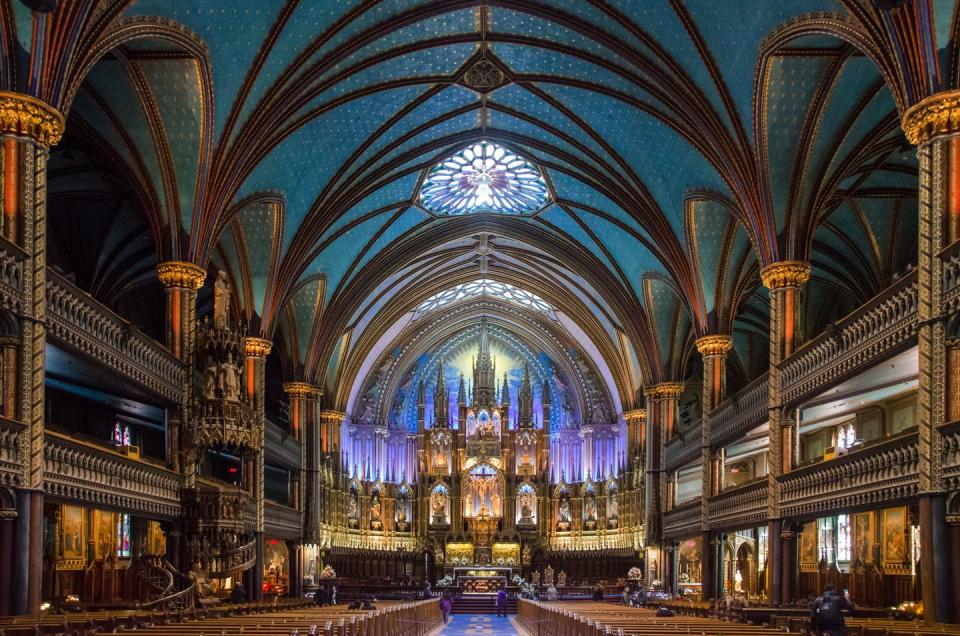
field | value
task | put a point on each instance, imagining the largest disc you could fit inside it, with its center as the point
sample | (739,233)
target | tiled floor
(475,624)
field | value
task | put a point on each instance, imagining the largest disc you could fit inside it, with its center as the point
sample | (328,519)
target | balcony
(281,522)
(683,521)
(81,471)
(881,473)
(740,507)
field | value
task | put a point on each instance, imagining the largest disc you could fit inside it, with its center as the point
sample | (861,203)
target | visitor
(502,601)
(332,598)
(598,594)
(446,606)
(368,602)
(552,593)
(826,613)
(626,596)
(238,594)
(427,592)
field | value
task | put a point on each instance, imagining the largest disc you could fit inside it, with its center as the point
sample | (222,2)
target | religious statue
(527,502)
(375,522)
(738,581)
(231,379)
(438,505)
(495,503)
(590,507)
(613,506)
(221,301)
(210,373)
(352,507)
(402,519)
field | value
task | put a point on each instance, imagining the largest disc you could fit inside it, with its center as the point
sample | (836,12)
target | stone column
(713,350)
(324,481)
(255,351)
(181,281)
(785,280)
(661,415)
(28,127)
(933,125)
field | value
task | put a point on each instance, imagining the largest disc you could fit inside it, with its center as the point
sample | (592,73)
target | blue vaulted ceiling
(683,153)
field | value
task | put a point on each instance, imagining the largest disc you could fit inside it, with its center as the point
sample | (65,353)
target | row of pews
(588,618)
(293,617)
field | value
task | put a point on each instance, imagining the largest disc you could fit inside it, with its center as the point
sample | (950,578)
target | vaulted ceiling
(685,145)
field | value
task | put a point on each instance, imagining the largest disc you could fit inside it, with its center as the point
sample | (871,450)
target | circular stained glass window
(484,177)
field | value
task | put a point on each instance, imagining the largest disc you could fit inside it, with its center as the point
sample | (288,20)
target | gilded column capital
(301,389)
(181,274)
(30,117)
(330,415)
(785,274)
(256,347)
(635,415)
(664,390)
(716,345)
(934,116)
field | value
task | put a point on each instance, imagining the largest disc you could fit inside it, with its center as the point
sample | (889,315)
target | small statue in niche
(438,506)
(210,379)
(352,507)
(375,522)
(231,379)
(563,520)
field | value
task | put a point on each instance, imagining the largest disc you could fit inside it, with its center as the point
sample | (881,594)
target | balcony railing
(11,277)
(83,472)
(951,455)
(740,507)
(876,474)
(281,522)
(280,446)
(682,521)
(78,320)
(882,326)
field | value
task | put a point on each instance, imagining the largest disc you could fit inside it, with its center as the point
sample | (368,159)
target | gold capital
(785,274)
(181,274)
(30,117)
(300,389)
(329,416)
(635,415)
(256,347)
(934,116)
(716,345)
(664,390)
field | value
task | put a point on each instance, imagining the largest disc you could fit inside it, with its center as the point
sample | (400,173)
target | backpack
(828,611)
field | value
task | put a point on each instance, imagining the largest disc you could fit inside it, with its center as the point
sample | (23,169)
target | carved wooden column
(785,280)
(713,349)
(325,481)
(255,351)
(8,376)
(933,125)
(28,127)
(661,416)
(180,281)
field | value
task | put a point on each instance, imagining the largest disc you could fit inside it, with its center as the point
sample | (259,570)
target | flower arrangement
(527,590)
(445,581)
(328,573)
(634,573)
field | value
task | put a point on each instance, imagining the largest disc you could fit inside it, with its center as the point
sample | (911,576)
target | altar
(482,580)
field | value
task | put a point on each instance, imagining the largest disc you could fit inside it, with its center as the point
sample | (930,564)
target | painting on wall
(808,544)
(156,539)
(863,536)
(73,536)
(104,534)
(894,536)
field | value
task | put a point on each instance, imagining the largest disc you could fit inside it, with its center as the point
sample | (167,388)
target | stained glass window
(121,434)
(484,177)
(843,538)
(123,535)
(482,286)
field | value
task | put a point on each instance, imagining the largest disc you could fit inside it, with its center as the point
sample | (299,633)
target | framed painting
(156,539)
(894,546)
(73,536)
(104,534)
(863,536)
(808,544)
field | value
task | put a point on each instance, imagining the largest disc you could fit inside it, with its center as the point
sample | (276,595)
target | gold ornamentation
(717,345)
(181,274)
(785,274)
(256,347)
(30,117)
(300,389)
(934,116)
(635,415)
(329,416)
(664,390)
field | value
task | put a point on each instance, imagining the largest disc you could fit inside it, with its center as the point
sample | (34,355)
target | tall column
(661,415)
(785,280)
(933,125)
(181,281)
(255,351)
(713,349)
(325,479)
(28,127)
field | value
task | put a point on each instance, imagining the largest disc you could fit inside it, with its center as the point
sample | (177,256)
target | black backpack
(828,610)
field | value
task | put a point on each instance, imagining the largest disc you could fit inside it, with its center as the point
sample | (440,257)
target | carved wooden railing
(739,507)
(78,320)
(951,278)
(684,448)
(873,475)
(682,521)
(882,326)
(11,277)
(951,456)
(171,599)
(281,521)
(81,471)
(230,562)
(10,464)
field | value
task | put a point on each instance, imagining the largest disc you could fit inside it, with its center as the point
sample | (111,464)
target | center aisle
(472,624)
